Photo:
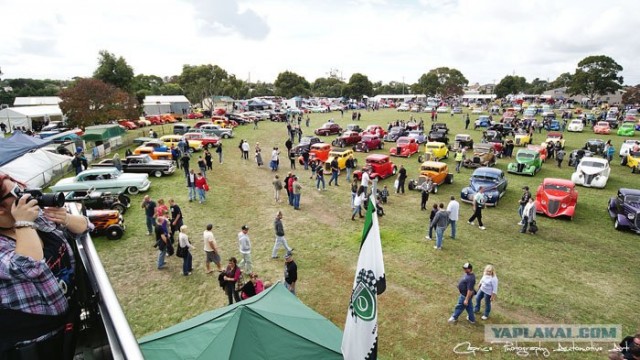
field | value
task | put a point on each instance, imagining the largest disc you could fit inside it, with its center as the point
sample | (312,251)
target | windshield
(433,147)
(602,123)
(576,122)
(430,168)
(593,164)
(634,199)
(525,156)
(484,177)
(403,141)
(555,187)
(396,129)
(305,140)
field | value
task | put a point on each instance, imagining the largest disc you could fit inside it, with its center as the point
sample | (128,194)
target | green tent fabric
(102,132)
(273,325)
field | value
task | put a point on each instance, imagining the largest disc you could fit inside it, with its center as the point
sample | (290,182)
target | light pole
(403,85)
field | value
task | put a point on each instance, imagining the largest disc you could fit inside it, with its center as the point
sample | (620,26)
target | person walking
(354,191)
(191,185)
(244,244)
(187,258)
(319,177)
(162,242)
(211,250)
(524,199)
(559,157)
(219,152)
(479,200)
(459,158)
(610,151)
(425,189)
(201,187)
(231,277)
(149,207)
(258,155)
(466,122)
(245,149)
(487,290)
(358,201)
(202,165)
(277,188)
(208,159)
(176,218)
(466,287)
(297,191)
(528,216)
(432,215)
(289,185)
(335,170)
(274,159)
(440,222)
(453,208)
(402,177)
(184,162)
(349,165)
(117,163)
(281,241)
(290,273)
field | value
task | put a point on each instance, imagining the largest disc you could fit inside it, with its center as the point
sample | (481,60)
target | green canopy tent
(102,133)
(271,325)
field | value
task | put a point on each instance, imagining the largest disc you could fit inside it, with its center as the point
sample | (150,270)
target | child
(379,208)
(384,194)
(488,290)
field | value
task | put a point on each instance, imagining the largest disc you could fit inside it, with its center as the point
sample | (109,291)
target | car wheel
(420,158)
(120,207)
(616,225)
(132,190)
(395,170)
(435,189)
(124,199)
(225,136)
(497,202)
(366,148)
(191,150)
(114,232)
(380,146)
(157,173)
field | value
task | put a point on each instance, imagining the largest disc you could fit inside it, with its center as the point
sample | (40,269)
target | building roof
(32,111)
(165,99)
(36,100)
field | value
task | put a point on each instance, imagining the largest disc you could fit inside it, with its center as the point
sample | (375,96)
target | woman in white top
(488,290)
(359,199)
(187,260)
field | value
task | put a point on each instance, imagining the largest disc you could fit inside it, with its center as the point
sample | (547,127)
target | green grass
(580,271)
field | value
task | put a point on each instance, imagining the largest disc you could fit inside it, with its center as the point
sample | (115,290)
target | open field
(575,272)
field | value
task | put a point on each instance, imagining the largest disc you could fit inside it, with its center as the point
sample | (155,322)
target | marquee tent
(27,115)
(271,325)
(17,145)
(102,133)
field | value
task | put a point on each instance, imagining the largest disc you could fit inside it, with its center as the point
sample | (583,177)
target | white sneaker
(470,322)
(452,320)
(428,237)
(469,222)
(435,247)
(484,317)
(482,227)
(520,223)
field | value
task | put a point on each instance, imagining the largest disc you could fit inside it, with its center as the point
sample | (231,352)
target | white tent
(26,115)
(37,168)
(36,100)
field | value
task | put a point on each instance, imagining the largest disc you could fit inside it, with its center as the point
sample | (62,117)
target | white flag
(360,338)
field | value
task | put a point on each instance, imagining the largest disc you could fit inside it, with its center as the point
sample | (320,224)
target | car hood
(591,170)
(487,185)
(555,195)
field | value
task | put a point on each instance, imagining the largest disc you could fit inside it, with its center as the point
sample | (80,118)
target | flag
(360,338)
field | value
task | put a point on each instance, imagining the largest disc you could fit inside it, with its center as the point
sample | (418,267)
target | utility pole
(402,84)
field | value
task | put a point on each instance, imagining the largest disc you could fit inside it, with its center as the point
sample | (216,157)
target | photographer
(37,274)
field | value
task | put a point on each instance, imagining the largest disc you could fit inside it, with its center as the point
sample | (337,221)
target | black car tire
(395,170)
(157,173)
(114,232)
(435,189)
(132,190)
(411,185)
(225,136)
(616,225)
(120,207)
(381,146)
(420,158)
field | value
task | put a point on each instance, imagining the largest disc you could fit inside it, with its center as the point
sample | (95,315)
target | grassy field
(574,272)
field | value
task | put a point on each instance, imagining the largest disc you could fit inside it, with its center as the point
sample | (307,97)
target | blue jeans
(520,210)
(150,223)
(192,193)
(453,228)
(320,180)
(296,201)
(353,197)
(290,198)
(430,231)
(481,295)
(201,195)
(334,178)
(161,255)
(306,164)
(348,174)
(458,163)
(439,235)
(460,307)
(187,263)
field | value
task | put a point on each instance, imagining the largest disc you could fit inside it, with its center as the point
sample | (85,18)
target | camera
(44,200)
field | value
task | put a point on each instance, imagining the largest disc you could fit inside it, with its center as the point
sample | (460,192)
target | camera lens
(51,200)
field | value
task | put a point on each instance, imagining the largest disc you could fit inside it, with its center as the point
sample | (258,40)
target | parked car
(217,130)
(522,138)
(443,109)
(418,135)
(378,166)
(341,155)
(628,145)
(395,133)
(405,146)
(573,156)
(195,115)
(173,140)
(403,107)
(483,155)
(624,210)
(541,149)
(463,141)
(612,121)
(457,110)
(437,171)
(556,197)
(107,222)
(483,121)
(207,141)
(596,146)
(155,145)
(602,127)
(632,160)
(528,162)
(555,137)
(592,172)
(155,155)
(437,150)
(143,164)
(438,135)
(440,126)
(305,144)
(105,179)
(552,125)
(317,151)
(353,127)
(179,129)
(128,124)
(99,200)
(142,122)
(627,129)
(492,180)
(328,129)
(504,129)
(348,138)
(369,142)
(575,125)
(375,130)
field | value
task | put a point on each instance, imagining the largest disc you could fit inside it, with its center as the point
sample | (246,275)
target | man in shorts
(211,250)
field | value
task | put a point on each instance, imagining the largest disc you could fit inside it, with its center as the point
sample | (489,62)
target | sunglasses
(15,192)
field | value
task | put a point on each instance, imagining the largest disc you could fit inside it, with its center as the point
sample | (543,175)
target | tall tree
(596,75)
(537,86)
(290,84)
(147,82)
(563,80)
(262,89)
(327,87)
(92,102)
(510,84)
(202,81)
(358,86)
(631,96)
(442,81)
(114,71)
(393,88)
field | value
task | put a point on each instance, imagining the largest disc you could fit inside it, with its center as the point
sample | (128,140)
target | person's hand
(57,215)
(25,209)
(466,302)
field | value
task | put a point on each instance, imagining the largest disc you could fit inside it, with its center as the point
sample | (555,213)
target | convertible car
(556,197)
(105,179)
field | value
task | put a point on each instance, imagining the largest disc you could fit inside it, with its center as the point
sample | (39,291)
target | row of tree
(115,92)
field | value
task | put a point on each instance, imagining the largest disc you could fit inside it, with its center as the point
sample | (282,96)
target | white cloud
(385,40)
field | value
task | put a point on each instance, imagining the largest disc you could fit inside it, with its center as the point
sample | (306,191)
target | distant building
(397,97)
(36,101)
(475,95)
(562,93)
(166,104)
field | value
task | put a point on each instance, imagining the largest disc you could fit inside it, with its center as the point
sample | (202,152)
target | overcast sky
(387,40)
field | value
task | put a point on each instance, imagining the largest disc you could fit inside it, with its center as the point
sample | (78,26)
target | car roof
(596,159)
(319,145)
(170,137)
(556,181)
(377,157)
(527,151)
(627,191)
(434,164)
(554,134)
(435,143)
(99,170)
(488,170)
